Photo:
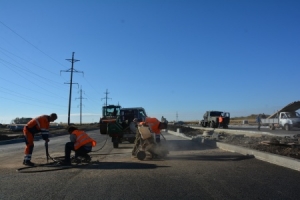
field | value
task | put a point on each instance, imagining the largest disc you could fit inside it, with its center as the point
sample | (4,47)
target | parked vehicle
(211,119)
(286,118)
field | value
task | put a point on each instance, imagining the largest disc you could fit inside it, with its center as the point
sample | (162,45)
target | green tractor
(110,114)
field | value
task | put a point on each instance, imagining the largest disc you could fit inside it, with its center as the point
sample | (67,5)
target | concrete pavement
(283,161)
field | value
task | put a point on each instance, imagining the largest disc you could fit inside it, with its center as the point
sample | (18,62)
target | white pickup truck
(284,120)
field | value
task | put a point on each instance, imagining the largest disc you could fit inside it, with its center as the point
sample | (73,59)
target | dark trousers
(69,147)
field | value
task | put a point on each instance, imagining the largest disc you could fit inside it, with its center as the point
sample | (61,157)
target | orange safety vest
(38,124)
(153,123)
(82,139)
(220,119)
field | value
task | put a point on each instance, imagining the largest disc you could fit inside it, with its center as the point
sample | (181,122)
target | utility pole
(71,82)
(106,93)
(176,117)
(80,104)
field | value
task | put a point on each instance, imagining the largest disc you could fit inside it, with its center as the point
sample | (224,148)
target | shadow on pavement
(188,145)
(211,157)
(120,165)
(185,145)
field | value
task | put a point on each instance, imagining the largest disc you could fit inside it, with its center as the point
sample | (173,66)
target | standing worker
(81,143)
(220,120)
(37,125)
(258,120)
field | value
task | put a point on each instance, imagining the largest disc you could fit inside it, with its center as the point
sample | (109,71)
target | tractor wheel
(103,129)
(212,124)
(141,155)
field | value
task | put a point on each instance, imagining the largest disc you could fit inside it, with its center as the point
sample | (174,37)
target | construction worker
(37,125)
(137,135)
(258,120)
(220,120)
(155,126)
(81,143)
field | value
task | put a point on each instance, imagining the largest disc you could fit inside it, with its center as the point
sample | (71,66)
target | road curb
(264,156)
(248,133)
(279,160)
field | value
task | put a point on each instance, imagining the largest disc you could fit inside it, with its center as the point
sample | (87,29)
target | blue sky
(174,58)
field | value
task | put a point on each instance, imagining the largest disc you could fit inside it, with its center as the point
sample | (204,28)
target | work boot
(87,158)
(83,159)
(66,163)
(28,163)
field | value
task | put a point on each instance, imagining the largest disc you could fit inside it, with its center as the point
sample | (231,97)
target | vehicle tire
(131,141)
(141,155)
(287,127)
(272,127)
(116,144)
(103,129)
(212,124)
(202,124)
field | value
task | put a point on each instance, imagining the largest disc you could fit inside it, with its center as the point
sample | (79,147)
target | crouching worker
(81,143)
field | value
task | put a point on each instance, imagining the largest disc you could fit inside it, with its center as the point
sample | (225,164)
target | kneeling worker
(81,143)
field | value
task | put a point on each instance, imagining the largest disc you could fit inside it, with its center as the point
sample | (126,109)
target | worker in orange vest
(36,125)
(81,143)
(220,121)
(155,126)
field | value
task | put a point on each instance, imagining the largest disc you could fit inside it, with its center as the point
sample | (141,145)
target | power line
(30,43)
(25,60)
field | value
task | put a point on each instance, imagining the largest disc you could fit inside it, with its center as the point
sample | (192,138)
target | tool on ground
(47,153)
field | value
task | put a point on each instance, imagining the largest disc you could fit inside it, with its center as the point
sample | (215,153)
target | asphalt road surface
(191,171)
